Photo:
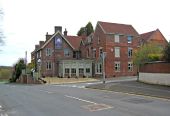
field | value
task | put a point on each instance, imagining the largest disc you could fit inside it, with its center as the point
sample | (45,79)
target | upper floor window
(129,38)
(48,52)
(88,53)
(117,51)
(116,37)
(94,53)
(58,43)
(117,66)
(66,52)
(130,52)
(98,40)
(100,52)
(39,54)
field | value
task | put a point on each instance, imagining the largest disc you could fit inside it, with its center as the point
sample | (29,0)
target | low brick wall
(155,73)
(27,79)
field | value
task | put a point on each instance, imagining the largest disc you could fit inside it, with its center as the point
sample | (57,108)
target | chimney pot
(65,32)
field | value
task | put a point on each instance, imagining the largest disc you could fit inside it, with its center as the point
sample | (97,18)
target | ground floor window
(87,70)
(130,66)
(99,68)
(48,65)
(81,71)
(67,71)
(73,71)
(117,66)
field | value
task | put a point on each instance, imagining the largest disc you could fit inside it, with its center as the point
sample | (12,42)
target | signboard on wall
(58,43)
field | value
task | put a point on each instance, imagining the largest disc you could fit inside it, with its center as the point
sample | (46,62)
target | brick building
(63,55)
(60,55)
(153,37)
(118,42)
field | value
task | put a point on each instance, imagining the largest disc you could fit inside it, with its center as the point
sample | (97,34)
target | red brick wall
(156,68)
(57,54)
(108,44)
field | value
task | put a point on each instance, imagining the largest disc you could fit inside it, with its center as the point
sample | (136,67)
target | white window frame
(130,39)
(73,71)
(48,52)
(130,66)
(81,70)
(130,52)
(88,70)
(67,70)
(100,51)
(117,52)
(94,53)
(98,40)
(49,65)
(99,68)
(117,66)
(68,52)
(116,38)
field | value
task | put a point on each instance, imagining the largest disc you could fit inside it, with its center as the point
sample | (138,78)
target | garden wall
(155,73)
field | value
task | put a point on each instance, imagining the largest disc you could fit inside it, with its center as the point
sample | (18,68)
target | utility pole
(103,58)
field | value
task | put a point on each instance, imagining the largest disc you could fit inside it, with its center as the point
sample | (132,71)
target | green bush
(154,57)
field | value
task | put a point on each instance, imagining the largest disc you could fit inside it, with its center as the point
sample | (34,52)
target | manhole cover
(137,100)
(97,107)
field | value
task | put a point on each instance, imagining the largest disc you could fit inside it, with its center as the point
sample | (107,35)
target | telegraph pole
(103,58)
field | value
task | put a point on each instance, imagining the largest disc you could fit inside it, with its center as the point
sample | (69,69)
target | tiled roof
(74,41)
(146,36)
(118,28)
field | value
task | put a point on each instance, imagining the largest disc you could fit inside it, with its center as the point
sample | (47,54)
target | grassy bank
(5,73)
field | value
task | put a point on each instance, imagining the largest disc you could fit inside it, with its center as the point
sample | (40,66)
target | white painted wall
(155,78)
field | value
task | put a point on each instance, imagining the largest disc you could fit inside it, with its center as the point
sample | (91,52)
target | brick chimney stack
(41,43)
(58,28)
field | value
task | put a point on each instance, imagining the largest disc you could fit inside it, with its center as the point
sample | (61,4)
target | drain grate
(137,100)
(97,107)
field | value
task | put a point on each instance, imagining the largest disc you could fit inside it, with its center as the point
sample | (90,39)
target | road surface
(75,100)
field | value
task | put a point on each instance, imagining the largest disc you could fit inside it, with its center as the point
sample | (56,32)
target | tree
(81,31)
(166,55)
(146,53)
(18,67)
(88,29)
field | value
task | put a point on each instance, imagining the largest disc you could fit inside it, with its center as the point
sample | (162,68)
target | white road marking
(73,86)
(0,106)
(46,91)
(79,99)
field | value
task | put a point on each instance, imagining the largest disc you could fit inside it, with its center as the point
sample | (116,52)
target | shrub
(154,57)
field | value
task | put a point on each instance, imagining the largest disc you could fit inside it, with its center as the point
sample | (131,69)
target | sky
(26,22)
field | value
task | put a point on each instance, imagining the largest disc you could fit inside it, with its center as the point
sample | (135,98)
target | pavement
(56,80)
(134,87)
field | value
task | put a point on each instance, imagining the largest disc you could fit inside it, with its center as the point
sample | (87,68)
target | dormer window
(116,37)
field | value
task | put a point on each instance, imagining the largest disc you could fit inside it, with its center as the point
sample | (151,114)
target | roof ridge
(115,23)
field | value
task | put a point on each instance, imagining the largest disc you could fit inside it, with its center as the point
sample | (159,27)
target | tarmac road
(69,100)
